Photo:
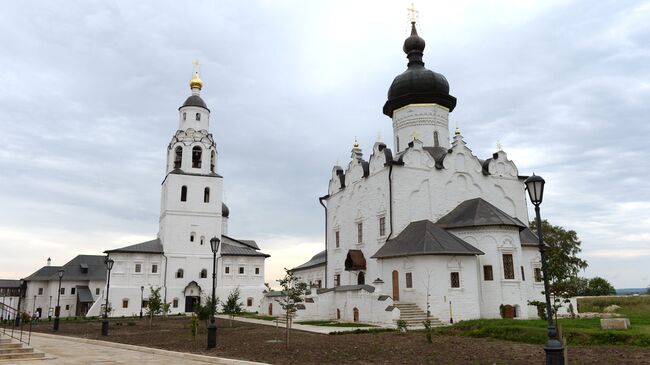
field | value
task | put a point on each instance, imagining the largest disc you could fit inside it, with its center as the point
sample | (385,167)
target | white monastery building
(179,260)
(424,226)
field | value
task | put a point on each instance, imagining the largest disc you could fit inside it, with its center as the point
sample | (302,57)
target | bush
(401,325)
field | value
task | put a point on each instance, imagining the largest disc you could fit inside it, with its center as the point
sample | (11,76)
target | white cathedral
(179,260)
(426,226)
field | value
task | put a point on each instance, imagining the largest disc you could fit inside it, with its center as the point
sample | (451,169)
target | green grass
(578,331)
(335,324)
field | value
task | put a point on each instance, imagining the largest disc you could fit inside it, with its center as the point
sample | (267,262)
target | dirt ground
(253,342)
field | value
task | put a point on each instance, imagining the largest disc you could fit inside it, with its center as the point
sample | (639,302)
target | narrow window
(249,302)
(241,270)
(337,236)
(436,143)
(125,303)
(508,267)
(97,291)
(175,303)
(523,276)
(154,269)
(204,274)
(257,271)
(361,278)
(338,313)
(359,232)
(198,116)
(138,267)
(319,283)
(227,269)
(213,161)
(40,291)
(202,240)
(455,280)
(337,280)
(73,291)
(62,291)
(538,275)
(196,157)
(206,195)
(192,237)
(184,116)
(178,157)
(487,273)
(382,226)
(409,280)
(397,138)
(179,274)
(183,193)
(67,307)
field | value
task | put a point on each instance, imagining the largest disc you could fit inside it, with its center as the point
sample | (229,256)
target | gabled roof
(228,249)
(9,283)
(475,213)
(250,243)
(45,273)
(318,259)
(425,238)
(73,270)
(153,246)
(528,238)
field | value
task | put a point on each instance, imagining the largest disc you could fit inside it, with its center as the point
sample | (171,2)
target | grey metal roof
(73,270)
(318,259)
(195,100)
(232,250)
(344,288)
(425,238)
(84,294)
(528,238)
(477,212)
(154,246)
(250,243)
(9,283)
(45,273)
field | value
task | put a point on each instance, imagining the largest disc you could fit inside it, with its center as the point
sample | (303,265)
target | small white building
(426,225)
(9,293)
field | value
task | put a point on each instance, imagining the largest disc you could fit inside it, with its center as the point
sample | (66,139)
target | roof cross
(413,14)
(197,66)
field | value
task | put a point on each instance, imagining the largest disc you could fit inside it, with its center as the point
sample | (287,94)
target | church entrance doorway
(190,303)
(395,286)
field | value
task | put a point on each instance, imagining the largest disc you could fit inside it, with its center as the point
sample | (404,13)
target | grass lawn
(578,331)
(335,324)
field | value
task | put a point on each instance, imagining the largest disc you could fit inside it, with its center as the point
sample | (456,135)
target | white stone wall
(422,121)
(312,275)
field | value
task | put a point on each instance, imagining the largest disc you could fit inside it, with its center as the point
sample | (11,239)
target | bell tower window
(198,116)
(184,116)
(184,193)
(397,140)
(206,195)
(196,157)
(213,161)
(436,142)
(178,157)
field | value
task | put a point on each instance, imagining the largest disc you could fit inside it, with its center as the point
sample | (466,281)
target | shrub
(401,325)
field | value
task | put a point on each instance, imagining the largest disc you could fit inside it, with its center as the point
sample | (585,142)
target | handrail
(13,323)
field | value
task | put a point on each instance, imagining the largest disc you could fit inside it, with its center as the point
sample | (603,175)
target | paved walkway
(71,350)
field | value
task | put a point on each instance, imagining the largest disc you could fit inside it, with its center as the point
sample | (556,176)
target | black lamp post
(212,327)
(553,348)
(109,266)
(21,292)
(141,299)
(57,309)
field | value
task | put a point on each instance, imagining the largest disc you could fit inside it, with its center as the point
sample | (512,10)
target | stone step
(9,345)
(5,340)
(17,350)
(22,356)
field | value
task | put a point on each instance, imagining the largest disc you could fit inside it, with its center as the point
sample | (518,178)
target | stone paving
(70,350)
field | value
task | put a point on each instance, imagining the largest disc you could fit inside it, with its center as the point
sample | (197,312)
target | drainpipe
(390,193)
(320,200)
(165,280)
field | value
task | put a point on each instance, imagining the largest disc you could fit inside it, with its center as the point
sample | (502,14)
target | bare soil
(248,341)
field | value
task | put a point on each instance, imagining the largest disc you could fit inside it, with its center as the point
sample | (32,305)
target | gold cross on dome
(197,66)
(413,14)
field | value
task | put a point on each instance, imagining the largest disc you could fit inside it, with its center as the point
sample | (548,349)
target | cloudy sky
(89,93)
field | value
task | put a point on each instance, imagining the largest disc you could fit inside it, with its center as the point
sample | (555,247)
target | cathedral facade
(426,226)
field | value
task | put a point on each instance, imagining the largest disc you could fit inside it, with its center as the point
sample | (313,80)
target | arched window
(192,236)
(198,116)
(204,274)
(361,278)
(355,314)
(183,193)
(179,274)
(249,302)
(202,240)
(213,161)
(436,143)
(184,116)
(178,157)
(206,195)
(196,157)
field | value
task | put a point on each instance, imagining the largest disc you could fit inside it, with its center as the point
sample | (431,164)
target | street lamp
(57,309)
(109,266)
(21,292)
(141,299)
(553,348)
(212,327)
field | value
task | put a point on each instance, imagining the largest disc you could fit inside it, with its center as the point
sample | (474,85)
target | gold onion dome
(196,82)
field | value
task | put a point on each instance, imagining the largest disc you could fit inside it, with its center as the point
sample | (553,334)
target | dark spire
(414,47)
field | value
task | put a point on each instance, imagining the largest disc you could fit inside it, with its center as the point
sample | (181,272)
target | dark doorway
(190,302)
(270,309)
(355,314)
(395,286)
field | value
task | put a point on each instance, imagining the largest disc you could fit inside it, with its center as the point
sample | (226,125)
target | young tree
(293,289)
(599,286)
(154,305)
(204,312)
(232,306)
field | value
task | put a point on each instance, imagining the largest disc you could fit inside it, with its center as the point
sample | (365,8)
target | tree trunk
(286,340)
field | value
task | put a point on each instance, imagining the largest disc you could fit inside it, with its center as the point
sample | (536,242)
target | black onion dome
(225,212)
(417,85)
(194,100)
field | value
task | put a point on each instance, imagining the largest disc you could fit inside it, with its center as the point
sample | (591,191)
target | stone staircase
(414,316)
(10,350)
